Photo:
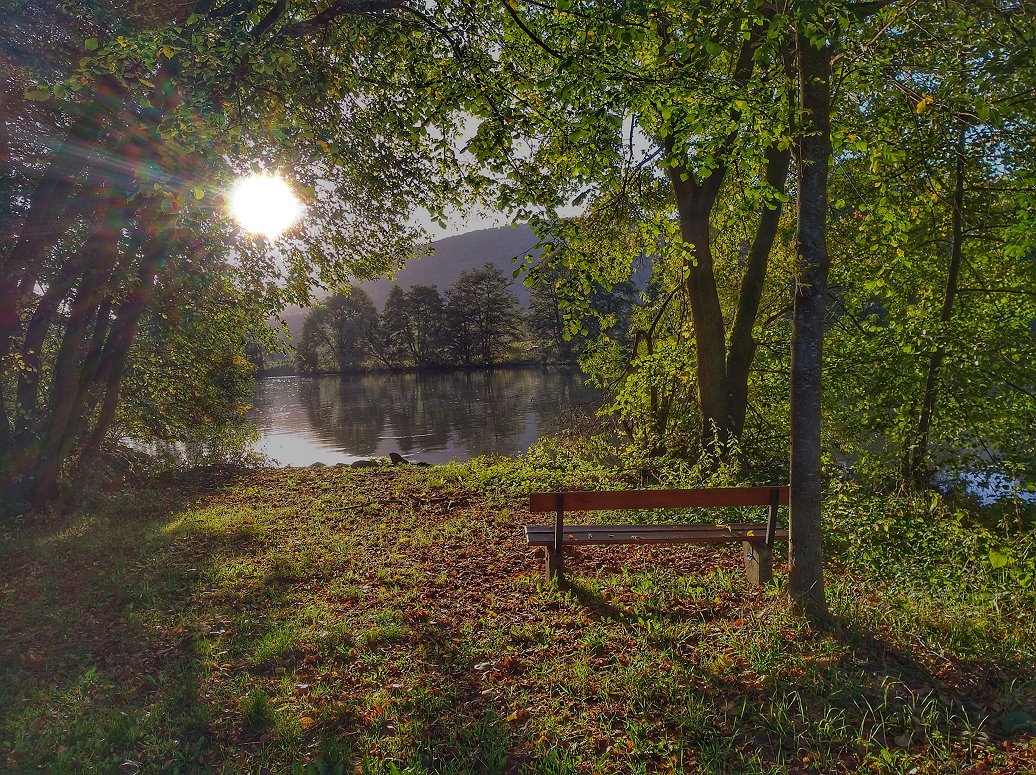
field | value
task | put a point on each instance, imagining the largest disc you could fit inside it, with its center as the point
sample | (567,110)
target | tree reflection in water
(432,416)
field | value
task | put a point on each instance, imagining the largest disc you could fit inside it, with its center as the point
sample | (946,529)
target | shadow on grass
(832,697)
(150,629)
(601,609)
(598,607)
(319,639)
(974,688)
(96,646)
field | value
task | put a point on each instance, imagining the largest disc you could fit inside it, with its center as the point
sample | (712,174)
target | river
(430,417)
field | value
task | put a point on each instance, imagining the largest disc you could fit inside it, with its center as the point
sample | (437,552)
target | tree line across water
(479,321)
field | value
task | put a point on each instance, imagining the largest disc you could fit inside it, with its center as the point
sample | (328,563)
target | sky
(458,222)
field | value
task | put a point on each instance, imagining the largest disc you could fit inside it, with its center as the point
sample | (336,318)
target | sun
(264,204)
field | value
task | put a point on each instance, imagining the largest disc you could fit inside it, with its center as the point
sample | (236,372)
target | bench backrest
(586,500)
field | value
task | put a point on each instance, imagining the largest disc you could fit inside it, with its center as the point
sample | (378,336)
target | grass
(393,620)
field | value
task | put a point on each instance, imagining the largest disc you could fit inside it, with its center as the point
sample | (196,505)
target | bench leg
(758,563)
(555,563)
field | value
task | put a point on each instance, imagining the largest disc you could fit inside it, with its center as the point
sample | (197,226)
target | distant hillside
(453,256)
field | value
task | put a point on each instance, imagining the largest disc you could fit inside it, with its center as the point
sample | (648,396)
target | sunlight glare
(264,204)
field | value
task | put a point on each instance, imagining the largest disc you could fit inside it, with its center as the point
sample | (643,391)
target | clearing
(394,620)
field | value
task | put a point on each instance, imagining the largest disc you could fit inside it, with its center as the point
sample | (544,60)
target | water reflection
(431,417)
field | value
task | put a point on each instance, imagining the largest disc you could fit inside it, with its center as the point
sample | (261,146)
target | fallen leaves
(403,617)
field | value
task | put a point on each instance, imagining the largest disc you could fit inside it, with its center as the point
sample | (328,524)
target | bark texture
(805,561)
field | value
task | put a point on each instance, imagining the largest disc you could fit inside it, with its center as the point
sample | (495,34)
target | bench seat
(543,535)
(756,538)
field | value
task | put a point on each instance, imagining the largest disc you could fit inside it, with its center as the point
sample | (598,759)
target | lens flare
(264,204)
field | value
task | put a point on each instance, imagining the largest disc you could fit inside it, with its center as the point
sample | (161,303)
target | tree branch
(341,8)
(271,17)
(529,33)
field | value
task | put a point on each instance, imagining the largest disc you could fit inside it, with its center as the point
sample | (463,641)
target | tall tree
(812,159)
(345,327)
(397,329)
(666,101)
(547,325)
(931,196)
(314,341)
(428,325)
(484,316)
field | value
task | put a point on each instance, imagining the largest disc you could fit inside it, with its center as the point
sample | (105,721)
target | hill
(455,255)
(452,257)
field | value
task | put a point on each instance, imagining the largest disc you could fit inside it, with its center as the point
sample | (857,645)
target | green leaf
(998,559)
(90,44)
(38,94)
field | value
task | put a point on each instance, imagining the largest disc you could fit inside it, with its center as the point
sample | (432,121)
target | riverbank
(393,620)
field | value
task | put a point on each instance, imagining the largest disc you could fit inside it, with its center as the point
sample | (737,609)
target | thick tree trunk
(95,256)
(64,392)
(694,203)
(68,404)
(723,377)
(742,343)
(23,460)
(805,560)
(915,472)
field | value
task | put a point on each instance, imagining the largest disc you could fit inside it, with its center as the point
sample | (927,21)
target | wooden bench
(756,538)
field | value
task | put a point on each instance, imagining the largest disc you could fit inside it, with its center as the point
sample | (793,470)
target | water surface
(432,417)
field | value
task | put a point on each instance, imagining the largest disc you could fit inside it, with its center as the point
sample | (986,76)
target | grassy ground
(392,620)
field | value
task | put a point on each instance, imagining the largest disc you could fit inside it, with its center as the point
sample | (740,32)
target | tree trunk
(90,371)
(805,560)
(694,205)
(24,460)
(69,402)
(915,471)
(65,392)
(742,343)
(95,256)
